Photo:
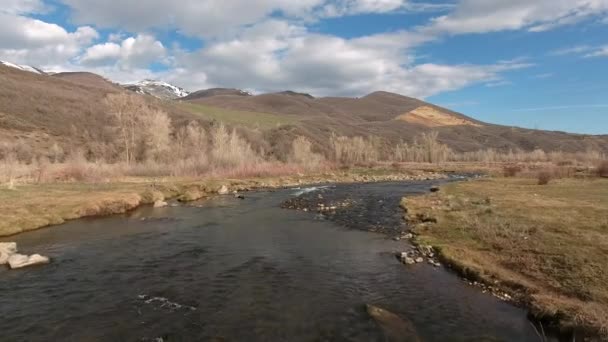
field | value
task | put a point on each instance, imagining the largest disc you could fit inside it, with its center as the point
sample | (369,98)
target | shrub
(302,154)
(511,170)
(602,169)
(544,177)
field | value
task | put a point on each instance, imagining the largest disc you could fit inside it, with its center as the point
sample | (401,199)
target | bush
(544,177)
(511,170)
(302,154)
(602,169)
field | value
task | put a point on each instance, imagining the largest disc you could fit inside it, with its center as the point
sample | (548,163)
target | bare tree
(125,109)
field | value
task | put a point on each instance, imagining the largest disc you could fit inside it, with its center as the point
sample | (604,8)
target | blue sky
(538,64)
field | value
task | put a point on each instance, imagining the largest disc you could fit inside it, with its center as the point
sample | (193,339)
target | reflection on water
(239,270)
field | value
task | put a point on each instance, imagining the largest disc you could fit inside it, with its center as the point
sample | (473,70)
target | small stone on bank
(408,261)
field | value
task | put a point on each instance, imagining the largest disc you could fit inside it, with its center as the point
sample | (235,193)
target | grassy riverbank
(545,244)
(33,206)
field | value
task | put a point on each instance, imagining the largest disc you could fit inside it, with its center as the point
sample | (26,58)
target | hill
(40,110)
(396,117)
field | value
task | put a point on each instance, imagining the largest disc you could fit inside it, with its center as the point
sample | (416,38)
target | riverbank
(546,245)
(33,206)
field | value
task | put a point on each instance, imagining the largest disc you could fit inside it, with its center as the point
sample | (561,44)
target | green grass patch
(238,117)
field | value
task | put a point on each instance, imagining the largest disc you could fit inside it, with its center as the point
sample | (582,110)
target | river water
(227,269)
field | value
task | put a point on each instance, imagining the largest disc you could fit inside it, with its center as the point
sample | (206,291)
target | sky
(531,63)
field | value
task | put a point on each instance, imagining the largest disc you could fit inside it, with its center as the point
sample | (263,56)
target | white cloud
(574,50)
(586,51)
(201,18)
(350,7)
(133,52)
(30,41)
(275,56)
(479,16)
(599,52)
(22,6)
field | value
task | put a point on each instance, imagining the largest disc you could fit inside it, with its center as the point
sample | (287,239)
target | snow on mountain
(23,67)
(159,89)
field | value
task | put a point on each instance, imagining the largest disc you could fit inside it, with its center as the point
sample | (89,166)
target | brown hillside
(42,109)
(431,117)
(88,79)
(375,114)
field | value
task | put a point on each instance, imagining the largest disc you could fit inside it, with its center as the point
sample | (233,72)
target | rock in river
(20,260)
(394,327)
(160,204)
(6,250)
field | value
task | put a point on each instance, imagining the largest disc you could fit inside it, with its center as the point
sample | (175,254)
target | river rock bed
(371,207)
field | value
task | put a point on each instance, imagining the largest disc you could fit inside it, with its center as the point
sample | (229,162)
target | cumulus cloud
(201,18)
(31,41)
(266,45)
(133,52)
(22,6)
(277,56)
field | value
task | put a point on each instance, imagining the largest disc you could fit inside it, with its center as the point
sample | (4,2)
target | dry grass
(547,244)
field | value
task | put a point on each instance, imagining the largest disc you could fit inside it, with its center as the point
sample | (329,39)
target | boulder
(8,247)
(419,260)
(223,190)
(19,260)
(6,250)
(434,189)
(408,261)
(394,327)
(434,263)
(4,258)
(160,204)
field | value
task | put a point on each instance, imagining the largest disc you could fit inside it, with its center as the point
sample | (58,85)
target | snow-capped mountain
(159,89)
(23,67)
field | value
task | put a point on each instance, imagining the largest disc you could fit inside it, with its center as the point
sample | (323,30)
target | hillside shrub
(602,169)
(511,170)
(544,177)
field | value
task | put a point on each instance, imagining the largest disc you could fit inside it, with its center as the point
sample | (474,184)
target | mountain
(23,67)
(158,89)
(395,118)
(214,92)
(39,110)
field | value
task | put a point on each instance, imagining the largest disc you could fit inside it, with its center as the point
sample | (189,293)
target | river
(227,269)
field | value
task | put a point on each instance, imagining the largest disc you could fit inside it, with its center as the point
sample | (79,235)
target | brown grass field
(545,244)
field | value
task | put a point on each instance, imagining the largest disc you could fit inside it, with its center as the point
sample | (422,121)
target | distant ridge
(156,88)
(23,67)
(40,109)
(201,94)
